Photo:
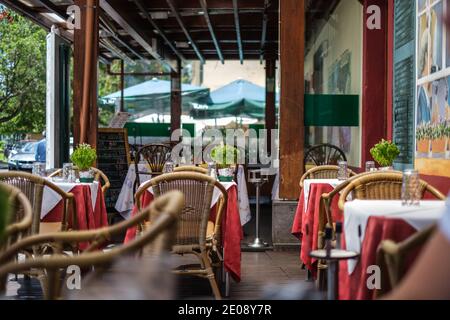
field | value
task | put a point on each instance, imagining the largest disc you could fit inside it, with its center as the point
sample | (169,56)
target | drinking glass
(66,171)
(39,169)
(212,170)
(370,166)
(343,170)
(72,175)
(410,188)
(168,166)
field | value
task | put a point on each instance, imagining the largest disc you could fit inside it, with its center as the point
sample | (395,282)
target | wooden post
(292,128)
(122,85)
(91,114)
(175,99)
(374,95)
(270,99)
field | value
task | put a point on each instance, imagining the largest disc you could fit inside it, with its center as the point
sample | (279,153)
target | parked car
(24,158)
(14,148)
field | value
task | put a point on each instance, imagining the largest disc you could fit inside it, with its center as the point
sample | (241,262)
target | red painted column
(390,70)
(375,79)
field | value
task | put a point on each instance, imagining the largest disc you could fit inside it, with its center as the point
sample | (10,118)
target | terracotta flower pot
(438,145)
(423,146)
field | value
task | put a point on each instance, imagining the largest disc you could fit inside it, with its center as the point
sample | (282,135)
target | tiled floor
(259,270)
(264,274)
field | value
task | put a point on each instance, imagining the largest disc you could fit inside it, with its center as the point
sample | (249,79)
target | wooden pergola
(174,31)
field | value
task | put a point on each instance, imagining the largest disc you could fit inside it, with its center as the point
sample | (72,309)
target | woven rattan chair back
(33,188)
(158,238)
(21,215)
(323,172)
(191,238)
(324,154)
(155,157)
(382,186)
(198,190)
(99,176)
(191,169)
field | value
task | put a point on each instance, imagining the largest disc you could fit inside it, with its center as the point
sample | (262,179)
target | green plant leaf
(84,156)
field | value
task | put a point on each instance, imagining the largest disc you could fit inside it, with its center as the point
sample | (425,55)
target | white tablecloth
(307,186)
(357,213)
(125,203)
(50,198)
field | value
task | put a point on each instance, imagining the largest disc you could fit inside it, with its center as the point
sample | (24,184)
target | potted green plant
(84,157)
(384,153)
(225,157)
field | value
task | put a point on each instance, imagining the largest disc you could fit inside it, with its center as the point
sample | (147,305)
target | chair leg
(227,284)
(211,277)
(214,287)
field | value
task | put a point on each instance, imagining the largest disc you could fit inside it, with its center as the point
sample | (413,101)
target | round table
(366,224)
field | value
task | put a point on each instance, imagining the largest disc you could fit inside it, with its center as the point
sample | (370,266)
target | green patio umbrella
(153,96)
(240,98)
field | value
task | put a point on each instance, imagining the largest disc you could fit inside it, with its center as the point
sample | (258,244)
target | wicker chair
(33,188)
(164,213)
(191,169)
(192,236)
(155,156)
(381,186)
(323,172)
(19,224)
(99,176)
(324,154)
(326,220)
(391,257)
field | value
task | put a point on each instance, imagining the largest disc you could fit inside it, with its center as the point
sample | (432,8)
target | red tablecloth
(88,218)
(354,286)
(231,231)
(306,223)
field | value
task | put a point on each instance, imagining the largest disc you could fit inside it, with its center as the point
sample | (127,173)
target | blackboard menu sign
(113,158)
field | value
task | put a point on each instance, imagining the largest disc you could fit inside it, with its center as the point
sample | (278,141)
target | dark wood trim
(270,112)
(185,31)
(238,30)
(211,30)
(161,33)
(175,99)
(78,73)
(292,128)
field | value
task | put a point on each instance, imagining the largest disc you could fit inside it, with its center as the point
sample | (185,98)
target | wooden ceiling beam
(135,33)
(161,33)
(264,30)
(185,31)
(238,30)
(211,30)
(53,8)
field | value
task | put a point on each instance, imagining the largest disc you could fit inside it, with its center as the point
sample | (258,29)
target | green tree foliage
(22,75)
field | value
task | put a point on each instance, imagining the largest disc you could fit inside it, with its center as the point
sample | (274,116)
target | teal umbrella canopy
(153,96)
(240,98)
